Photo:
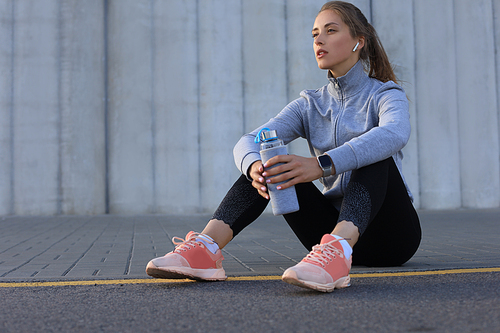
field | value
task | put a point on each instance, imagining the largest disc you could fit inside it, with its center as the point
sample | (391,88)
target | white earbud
(356,47)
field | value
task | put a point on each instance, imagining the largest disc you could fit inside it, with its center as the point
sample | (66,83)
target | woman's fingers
(289,169)
(259,182)
(294,170)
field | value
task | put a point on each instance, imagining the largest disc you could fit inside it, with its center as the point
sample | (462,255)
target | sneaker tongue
(327,238)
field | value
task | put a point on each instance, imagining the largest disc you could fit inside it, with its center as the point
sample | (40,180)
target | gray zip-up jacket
(355,119)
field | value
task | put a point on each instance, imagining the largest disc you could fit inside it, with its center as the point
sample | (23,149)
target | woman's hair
(372,54)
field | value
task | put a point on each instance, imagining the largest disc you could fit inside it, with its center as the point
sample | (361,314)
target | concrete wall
(133,106)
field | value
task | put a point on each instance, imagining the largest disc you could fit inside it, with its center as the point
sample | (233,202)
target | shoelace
(324,253)
(186,244)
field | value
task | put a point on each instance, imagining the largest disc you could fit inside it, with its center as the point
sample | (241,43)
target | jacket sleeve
(288,124)
(380,142)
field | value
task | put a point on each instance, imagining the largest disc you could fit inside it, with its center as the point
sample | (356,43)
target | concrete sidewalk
(118,247)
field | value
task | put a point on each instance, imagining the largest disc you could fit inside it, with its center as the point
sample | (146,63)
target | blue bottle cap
(265,134)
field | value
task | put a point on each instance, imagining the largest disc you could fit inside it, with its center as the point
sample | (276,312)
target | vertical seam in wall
(11,112)
(242,38)
(106,107)
(495,52)
(59,109)
(370,3)
(416,131)
(287,60)
(153,108)
(457,71)
(198,107)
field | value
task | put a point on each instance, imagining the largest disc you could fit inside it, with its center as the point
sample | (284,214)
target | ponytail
(372,55)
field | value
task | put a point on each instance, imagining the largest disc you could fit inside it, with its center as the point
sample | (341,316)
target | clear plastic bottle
(282,201)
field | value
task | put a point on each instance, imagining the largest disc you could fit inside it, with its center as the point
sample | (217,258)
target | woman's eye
(314,35)
(331,30)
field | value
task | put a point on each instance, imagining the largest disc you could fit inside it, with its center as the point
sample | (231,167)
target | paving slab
(117,247)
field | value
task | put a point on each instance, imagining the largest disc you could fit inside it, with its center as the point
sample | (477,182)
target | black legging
(376,201)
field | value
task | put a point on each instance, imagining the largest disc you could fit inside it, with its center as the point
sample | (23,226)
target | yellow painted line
(254,278)
(237,278)
(84,283)
(419,273)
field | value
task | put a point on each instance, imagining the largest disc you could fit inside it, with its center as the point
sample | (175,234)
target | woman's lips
(321,53)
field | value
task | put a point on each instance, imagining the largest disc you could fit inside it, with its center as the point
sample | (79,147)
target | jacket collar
(349,84)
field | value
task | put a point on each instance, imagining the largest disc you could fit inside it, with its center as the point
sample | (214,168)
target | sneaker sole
(343,282)
(211,274)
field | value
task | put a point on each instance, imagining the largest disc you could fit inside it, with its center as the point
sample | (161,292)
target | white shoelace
(185,244)
(192,240)
(324,253)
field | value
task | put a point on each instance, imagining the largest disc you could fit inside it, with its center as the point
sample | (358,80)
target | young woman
(356,126)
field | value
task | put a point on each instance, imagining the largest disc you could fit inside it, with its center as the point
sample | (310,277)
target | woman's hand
(256,170)
(295,170)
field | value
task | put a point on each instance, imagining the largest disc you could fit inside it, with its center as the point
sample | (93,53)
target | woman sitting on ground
(355,126)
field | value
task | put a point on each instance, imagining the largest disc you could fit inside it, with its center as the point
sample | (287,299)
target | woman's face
(333,44)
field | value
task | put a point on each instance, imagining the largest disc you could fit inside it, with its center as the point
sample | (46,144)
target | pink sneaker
(190,259)
(324,268)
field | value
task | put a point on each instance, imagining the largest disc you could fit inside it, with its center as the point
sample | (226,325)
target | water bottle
(282,201)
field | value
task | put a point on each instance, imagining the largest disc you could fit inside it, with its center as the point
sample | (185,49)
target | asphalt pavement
(452,284)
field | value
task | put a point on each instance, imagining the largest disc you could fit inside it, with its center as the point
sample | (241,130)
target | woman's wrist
(326,165)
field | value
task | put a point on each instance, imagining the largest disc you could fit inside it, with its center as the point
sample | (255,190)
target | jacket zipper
(335,128)
(341,108)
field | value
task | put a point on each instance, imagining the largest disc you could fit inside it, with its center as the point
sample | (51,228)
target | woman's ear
(361,42)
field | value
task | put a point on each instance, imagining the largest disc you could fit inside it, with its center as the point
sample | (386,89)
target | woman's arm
(289,126)
(380,142)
